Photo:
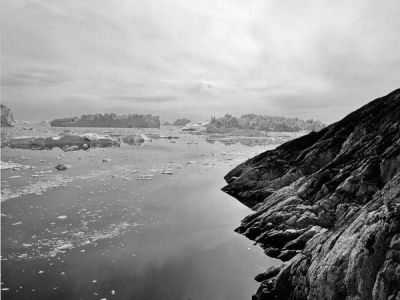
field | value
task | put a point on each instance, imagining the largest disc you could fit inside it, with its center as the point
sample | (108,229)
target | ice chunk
(65,246)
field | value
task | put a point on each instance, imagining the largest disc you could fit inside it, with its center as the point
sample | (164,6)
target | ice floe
(6,165)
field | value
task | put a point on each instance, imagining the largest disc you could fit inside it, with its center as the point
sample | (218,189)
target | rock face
(181,122)
(328,204)
(264,123)
(7,118)
(109,120)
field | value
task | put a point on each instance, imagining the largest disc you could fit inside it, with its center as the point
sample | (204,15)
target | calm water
(96,232)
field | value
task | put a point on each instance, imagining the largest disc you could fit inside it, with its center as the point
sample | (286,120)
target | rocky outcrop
(181,122)
(7,118)
(67,142)
(263,123)
(109,120)
(328,204)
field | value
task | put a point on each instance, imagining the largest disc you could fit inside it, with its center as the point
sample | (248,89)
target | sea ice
(65,246)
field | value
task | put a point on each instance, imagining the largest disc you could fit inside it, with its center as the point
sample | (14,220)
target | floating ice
(145,177)
(4,165)
(65,246)
(167,172)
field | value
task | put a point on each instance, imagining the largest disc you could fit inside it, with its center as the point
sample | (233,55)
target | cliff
(7,118)
(264,123)
(328,204)
(109,120)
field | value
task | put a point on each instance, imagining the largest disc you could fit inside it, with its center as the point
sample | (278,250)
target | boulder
(61,167)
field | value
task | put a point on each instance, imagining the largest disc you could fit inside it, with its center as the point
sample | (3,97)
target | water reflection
(170,237)
(266,138)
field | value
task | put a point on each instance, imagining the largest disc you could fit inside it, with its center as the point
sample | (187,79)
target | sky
(199,58)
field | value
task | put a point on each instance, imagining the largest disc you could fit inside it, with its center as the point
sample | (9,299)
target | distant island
(109,120)
(228,123)
(7,118)
(181,122)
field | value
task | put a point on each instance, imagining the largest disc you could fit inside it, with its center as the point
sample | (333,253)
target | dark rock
(61,167)
(287,255)
(336,193)
(269,273)
(7,118)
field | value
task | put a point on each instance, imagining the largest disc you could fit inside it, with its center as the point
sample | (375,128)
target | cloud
(33,78)
(129,99)
(311,59)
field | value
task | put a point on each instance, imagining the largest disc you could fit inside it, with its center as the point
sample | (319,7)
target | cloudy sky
(311,59)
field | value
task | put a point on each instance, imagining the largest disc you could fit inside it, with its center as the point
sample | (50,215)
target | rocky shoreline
(328,205)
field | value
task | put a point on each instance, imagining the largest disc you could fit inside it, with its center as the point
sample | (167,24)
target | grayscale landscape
(200,150)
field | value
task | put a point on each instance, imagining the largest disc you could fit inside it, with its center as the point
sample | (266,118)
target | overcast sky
(197,58)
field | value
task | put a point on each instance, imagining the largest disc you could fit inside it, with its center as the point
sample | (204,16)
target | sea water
(147,222)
